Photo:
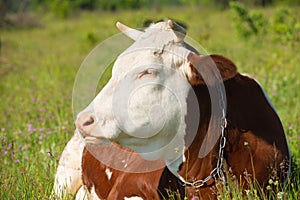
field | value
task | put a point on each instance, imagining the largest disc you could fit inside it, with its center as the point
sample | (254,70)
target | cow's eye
(148,72)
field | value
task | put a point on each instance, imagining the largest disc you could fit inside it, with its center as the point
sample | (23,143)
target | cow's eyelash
(148,72)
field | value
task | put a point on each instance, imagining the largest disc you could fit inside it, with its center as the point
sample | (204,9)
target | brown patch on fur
(204,65)
(121,184)
(256,143)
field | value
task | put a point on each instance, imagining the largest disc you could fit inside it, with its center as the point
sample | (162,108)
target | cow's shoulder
(250,109)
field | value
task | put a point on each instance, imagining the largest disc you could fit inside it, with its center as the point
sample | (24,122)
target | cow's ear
(206,65)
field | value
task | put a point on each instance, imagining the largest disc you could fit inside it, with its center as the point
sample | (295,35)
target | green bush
(86,4)
(248,23)
(281,27)
(60,8)
(285,26)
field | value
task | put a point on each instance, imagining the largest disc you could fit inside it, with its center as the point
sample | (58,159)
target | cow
(159,108)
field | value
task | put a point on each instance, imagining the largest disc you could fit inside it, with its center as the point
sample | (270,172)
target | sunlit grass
(38,67)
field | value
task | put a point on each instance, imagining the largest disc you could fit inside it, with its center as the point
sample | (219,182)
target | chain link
(217,172)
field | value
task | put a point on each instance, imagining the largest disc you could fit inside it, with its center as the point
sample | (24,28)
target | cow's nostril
(90,121)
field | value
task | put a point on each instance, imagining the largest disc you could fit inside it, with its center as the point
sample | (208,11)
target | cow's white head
(144,104)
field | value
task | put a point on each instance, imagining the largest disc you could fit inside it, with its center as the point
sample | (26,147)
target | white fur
(147,113)
(82,194)
(144,113)
(68,175)
(108,173)
(133,198)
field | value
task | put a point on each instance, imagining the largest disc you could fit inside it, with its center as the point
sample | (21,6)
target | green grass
(38,67)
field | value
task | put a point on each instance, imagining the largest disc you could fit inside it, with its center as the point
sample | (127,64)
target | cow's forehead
(158,30)
(158,44)
(133,59)
(160,25)
(157,36)
(172,56)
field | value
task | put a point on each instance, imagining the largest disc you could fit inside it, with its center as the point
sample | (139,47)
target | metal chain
(217,172)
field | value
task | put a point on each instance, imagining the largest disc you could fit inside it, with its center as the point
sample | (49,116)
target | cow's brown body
(121,184)
(256,145)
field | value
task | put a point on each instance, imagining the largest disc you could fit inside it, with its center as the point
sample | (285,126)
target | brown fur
(121,184)
(256,143)
(203,65)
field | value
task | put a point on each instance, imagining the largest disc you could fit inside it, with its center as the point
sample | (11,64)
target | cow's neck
(195,168)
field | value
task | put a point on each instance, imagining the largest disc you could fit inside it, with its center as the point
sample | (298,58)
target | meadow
(38,66)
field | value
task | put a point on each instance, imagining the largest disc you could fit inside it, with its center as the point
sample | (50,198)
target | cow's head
(143,106)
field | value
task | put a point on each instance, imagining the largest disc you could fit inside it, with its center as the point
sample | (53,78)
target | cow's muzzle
(86,123)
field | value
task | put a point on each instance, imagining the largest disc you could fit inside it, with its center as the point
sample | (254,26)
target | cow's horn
(130,32)
(179,31)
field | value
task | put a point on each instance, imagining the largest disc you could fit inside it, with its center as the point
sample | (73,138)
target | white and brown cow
(154,128)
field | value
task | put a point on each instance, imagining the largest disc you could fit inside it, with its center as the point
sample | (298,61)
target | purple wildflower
(41,129)
(17,161)
(30,128)
(25,147)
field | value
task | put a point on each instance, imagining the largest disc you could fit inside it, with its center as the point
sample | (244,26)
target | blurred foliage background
(65,8)
(43,43)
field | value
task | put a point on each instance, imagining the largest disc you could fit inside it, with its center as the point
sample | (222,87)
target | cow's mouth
(90,139)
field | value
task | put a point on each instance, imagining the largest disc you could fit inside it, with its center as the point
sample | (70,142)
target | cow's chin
(148,148)
(97,140)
